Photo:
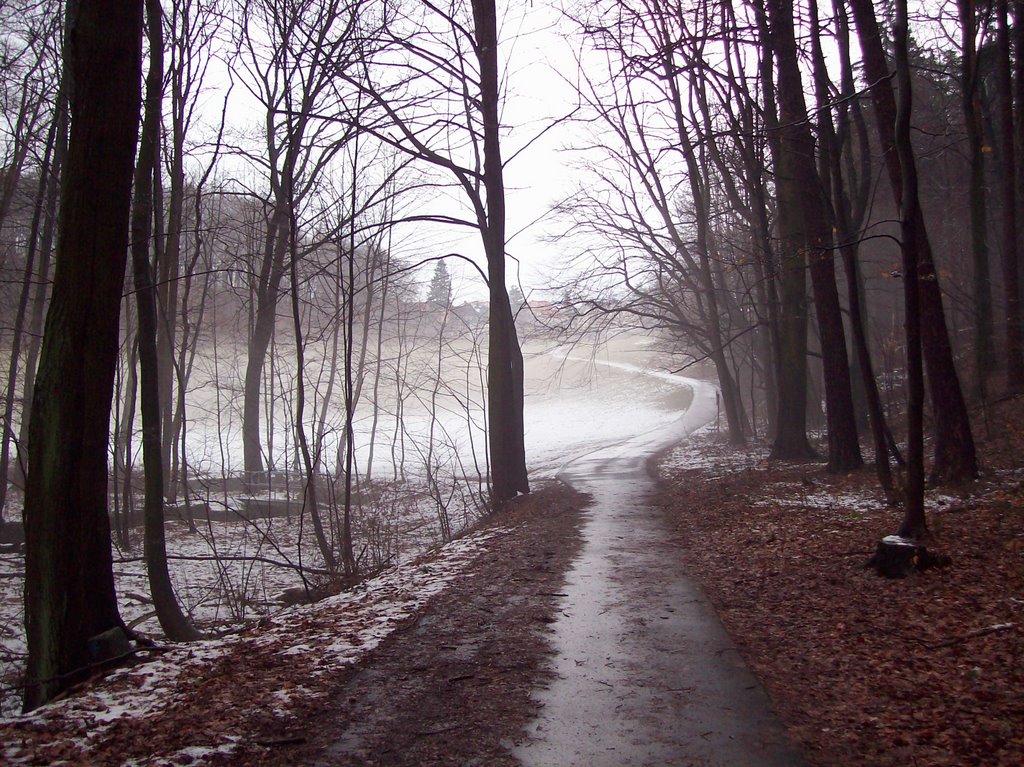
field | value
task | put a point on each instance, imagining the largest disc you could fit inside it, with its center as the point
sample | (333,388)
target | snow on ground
(339,630)
(227,572)
(232,571)
(604,401)
(708,453)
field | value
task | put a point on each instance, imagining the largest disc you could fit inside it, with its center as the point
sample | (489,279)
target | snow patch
(339,630)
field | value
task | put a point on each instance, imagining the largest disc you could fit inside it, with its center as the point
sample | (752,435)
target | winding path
(645,673)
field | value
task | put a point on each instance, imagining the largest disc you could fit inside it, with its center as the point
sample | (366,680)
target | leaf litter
(270,691)
(864,670)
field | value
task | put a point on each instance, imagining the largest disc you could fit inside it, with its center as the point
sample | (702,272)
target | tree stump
(897,557)
(109,645)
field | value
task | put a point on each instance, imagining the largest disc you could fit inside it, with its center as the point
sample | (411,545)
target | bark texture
(914,523)
(69,589)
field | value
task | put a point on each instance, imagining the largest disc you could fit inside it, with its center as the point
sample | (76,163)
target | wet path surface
(645,673)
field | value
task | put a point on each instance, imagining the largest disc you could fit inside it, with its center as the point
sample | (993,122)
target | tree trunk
(267,294)
(790,441)
(347,553)
(69,584)
(914,524)
(174,623)
(125,425)
(833,176)
(1018,128)
(697,175)
(167,303)
(504,357)
(804,228)
(35,329)
(955,456)
(984,345)
(19,320)
(1008,199)
(310,499)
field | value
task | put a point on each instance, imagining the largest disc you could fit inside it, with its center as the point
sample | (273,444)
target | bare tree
(192,27)
(955,456)
(806,237)
(659,261)
(1006,174)
(457,72)
(28,71)
(295,79)
(27,75)
(970,89)
(846,219)
(174,623)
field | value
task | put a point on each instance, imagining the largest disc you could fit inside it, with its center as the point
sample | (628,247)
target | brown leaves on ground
(455,673)
(456,688)
(864,670)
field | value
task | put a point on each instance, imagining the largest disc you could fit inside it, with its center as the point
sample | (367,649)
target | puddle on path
(645,673)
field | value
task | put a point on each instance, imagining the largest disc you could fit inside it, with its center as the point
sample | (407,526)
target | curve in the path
(645,674)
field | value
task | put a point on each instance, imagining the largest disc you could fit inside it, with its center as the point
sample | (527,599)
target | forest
(297,292)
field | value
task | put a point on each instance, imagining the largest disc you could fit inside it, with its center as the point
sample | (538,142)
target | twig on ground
(969,635)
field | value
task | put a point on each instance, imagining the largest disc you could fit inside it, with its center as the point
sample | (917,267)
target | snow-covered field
(232,571)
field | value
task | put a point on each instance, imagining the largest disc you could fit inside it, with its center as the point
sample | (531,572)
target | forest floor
(437,663)
(432,663)
(866,671)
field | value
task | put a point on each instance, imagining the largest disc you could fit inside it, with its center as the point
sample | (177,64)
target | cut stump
(898,557)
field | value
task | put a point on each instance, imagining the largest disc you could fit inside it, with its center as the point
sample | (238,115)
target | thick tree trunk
(267,295)
(790,442)
(174,623)
(832,175)
(734,412)
(843,446)
(772,264)
(955,456)
(1017,34)
(804,228)
(504,357)
(69,585)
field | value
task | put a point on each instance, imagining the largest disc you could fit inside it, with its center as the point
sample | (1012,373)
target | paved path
(646,674)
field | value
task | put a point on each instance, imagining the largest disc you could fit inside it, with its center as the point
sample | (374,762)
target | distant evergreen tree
(440,291)
(516,299)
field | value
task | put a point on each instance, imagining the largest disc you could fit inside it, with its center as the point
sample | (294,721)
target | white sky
(539,63)
(535,48)
(539,49)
